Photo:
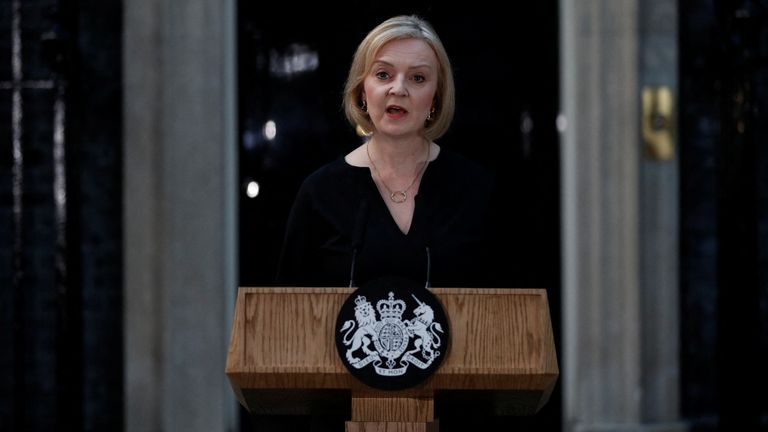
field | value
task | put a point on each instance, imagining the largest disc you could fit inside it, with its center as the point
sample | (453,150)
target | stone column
(659,231)
(620,360)
(179,213)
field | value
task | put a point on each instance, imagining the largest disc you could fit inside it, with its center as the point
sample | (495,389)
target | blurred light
(252,190)
(270,130)
(298,59)
(526,123)
(561,122)
(249,140)
(526,129)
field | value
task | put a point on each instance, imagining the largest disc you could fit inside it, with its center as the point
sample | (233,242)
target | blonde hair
(400,27)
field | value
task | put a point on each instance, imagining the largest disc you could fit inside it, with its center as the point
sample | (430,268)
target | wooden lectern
(501,360)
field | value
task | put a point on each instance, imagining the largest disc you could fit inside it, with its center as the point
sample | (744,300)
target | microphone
(357,241)
(352,270)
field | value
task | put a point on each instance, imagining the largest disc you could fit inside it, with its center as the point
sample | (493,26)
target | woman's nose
(398,87)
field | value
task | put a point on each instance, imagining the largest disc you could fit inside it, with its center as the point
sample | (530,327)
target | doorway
(291,72)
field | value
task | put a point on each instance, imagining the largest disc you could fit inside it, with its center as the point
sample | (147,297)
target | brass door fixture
(658,122)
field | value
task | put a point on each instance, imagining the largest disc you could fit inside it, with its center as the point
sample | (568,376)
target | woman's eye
(419,78)
(382,75)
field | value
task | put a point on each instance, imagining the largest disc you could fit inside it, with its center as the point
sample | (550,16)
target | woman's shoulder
(335,174)
(460,168)
(329,170)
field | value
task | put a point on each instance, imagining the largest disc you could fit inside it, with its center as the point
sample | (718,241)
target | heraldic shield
(392,334)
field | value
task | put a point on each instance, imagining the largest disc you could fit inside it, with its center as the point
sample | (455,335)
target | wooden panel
(283,338)
(299,328)
(391,427)
(501,338)
(392,409)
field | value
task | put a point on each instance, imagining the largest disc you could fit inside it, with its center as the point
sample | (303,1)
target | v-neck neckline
(391,217)
(416,217)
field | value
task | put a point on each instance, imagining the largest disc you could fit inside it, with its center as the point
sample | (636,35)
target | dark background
(724,213)
(61,266)
(61,359)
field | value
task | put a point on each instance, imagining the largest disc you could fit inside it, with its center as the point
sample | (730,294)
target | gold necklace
(400,196)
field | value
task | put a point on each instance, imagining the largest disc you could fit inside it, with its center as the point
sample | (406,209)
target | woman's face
(400,87)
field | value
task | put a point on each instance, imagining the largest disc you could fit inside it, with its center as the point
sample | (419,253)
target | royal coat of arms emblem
(383,342)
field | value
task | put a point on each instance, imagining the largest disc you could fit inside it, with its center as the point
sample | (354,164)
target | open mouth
(396,110)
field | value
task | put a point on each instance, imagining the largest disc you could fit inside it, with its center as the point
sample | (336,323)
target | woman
(399,204)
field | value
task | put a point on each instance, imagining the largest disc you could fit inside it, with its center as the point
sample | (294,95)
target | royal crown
(390,308)
(361,303)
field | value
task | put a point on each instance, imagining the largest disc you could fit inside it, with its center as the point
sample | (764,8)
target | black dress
(339,217)
(339,221)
